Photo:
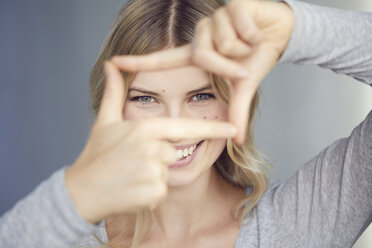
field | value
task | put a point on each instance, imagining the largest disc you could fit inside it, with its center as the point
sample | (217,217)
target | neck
(189,209)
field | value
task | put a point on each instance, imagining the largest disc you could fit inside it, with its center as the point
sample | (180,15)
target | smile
(183,152)
(186,154)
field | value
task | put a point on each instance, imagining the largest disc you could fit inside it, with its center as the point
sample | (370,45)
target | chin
(177,179)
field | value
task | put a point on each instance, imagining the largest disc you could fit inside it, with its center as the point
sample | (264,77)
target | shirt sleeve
(336,39)
(45,218)
(328,201)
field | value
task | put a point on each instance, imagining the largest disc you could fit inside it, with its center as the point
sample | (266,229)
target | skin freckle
(163,91)
(204,117)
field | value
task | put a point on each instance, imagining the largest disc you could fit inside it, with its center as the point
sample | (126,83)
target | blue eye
(143,99)
(202,97)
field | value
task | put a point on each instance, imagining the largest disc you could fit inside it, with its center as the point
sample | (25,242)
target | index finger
(187,128)
(113,98)
(241,98)
(205,58)
(164,59)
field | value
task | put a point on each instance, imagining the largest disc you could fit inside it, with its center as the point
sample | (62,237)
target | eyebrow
(207,87)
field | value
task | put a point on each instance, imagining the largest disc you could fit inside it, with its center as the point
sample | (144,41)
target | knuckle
(225,46)
(247,32)
(244,48)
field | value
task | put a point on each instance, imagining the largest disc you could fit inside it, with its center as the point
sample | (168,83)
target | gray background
(47,49)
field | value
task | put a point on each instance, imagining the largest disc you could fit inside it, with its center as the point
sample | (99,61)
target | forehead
(173,80)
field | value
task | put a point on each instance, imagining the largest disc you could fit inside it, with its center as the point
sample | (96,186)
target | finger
(112,103)
(166,153)
(241,98)
(225,37)
(185,128)
(179,57)
(205,56)
(159,150)
(257,65)
(155,171)
(243,22)
(184,56)
(164,59)
(149,194)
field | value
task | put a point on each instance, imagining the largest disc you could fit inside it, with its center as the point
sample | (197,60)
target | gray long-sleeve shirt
(326,203)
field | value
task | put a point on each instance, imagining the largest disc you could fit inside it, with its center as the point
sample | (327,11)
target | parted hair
(145,26)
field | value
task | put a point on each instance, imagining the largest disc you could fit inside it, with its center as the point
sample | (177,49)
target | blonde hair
(145,26)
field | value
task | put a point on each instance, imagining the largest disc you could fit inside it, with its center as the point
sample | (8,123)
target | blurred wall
(47,49)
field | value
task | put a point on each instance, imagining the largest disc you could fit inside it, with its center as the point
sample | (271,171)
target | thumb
(242,94)
(261,61)
(112,102)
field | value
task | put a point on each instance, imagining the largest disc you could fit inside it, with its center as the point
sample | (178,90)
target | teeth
(179,154)
(186,152)
(191,149)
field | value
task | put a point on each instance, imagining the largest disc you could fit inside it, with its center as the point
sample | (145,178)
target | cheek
(217,113)
(213,150)
(214,147)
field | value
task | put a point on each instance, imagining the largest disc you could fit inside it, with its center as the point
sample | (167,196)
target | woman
(162,176)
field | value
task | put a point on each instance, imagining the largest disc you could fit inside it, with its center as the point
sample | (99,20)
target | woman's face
(179,93)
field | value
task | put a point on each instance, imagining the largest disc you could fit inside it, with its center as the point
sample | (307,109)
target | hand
(241,41)
(124,164)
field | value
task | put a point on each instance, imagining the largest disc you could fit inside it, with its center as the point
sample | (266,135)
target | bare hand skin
(124,164)
(241,41)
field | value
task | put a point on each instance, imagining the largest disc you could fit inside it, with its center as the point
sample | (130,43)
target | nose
(176,111)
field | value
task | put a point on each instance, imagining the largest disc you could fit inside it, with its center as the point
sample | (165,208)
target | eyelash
(208,96)
(141,99)
(138,99)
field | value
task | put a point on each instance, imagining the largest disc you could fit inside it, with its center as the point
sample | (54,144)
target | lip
(181,147)
(186,161)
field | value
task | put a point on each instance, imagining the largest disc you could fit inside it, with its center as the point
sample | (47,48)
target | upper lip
(181,147)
